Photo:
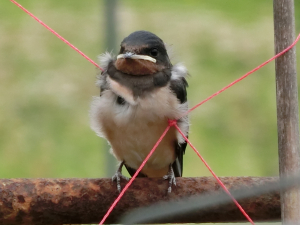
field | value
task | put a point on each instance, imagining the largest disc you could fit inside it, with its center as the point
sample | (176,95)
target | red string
(56,34)
(215,176)
(171,122)
(244,76)
(135,175)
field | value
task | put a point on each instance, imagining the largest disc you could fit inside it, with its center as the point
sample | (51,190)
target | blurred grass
(46,87)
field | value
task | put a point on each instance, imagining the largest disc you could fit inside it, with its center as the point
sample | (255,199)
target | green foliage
(46,87)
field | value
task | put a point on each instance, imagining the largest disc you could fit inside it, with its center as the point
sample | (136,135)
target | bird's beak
(130,55)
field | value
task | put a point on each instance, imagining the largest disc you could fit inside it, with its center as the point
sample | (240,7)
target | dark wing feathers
(179,86)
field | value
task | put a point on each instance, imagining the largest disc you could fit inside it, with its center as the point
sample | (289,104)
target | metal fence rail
(61,201)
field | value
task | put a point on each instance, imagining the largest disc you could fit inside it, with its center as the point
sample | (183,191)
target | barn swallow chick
(139,91)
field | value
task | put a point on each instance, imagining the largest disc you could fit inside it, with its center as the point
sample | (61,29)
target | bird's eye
(154,52)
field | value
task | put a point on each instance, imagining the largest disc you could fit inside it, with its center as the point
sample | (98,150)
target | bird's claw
(171,177)
(117,177)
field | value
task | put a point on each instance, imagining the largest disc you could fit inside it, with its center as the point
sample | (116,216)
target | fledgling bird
(139,91)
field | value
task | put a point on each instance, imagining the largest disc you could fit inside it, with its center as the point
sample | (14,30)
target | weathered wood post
(287,107)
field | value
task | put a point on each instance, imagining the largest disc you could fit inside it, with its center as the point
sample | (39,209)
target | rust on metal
(79,201)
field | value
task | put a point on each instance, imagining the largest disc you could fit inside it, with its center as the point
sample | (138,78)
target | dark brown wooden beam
(287,107)
(66,201)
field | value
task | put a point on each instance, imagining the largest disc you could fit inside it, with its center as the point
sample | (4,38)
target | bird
(140,89)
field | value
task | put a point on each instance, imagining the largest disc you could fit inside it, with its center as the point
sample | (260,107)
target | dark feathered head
(142,53)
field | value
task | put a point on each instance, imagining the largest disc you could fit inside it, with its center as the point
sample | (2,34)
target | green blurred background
(46,87)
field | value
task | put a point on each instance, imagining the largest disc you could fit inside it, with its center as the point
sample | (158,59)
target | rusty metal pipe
(61,201)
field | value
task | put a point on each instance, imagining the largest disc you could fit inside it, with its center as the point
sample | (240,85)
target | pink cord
(56,34)
(215,176)
(244,76)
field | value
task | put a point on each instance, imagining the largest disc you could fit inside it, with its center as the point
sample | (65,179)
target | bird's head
(142,53)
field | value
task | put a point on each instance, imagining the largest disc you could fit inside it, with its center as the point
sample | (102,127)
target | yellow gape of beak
(130,55)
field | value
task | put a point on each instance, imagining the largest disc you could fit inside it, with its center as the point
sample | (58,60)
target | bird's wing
(178,86)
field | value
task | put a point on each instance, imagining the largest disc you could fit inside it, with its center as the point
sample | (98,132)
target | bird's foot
(171,177)
(118,175)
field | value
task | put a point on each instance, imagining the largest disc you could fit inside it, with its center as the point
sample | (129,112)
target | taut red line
(56,34)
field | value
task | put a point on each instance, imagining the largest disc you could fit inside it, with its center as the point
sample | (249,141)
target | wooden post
(287,107)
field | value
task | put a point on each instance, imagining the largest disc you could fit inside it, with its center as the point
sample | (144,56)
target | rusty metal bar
(287,107)
(66,201)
